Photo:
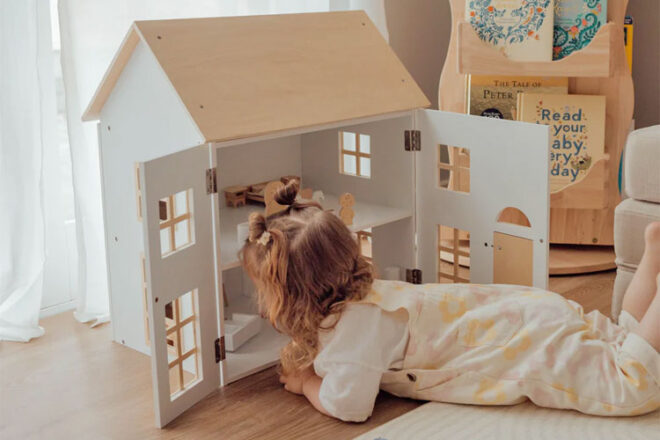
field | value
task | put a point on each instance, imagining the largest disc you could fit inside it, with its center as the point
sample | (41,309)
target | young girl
(476,344)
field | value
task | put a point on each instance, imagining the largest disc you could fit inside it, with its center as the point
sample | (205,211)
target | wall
(646,61)
(419,34)
(255,162)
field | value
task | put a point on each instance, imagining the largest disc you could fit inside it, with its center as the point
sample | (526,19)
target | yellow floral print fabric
(500,345)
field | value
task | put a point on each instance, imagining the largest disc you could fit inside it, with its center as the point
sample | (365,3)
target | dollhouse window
(176,231)
(454,168)
(145,307)
(364,239)
(181,330)
(355,154)
(453,255)
(138,192)
(514,216)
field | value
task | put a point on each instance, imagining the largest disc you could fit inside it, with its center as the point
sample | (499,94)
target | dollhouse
(191,107)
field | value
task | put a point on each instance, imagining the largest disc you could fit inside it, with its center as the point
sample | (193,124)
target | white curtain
(91,31)
(22,139)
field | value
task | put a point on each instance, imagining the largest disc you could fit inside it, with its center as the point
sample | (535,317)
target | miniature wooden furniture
(256,192)
(582,214)
(272,207)
(236,113)
(306,193)
(236,195)
(346,214)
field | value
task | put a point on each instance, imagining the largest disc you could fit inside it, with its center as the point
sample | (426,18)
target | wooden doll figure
(306,194)
(272,206)
(346,213)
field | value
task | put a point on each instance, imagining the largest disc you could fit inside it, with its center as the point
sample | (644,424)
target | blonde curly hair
(306,265)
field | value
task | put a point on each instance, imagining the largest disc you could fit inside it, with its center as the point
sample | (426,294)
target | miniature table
(236,195)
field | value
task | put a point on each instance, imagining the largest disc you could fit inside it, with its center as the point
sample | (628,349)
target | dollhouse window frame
(361,152)
(138,191)
(167,208)
(457,173)
(451,246)
(175,324)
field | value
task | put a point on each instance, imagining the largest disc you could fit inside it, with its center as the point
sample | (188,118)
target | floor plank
(75,383)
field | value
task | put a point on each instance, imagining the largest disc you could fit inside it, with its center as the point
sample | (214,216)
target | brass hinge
(220,349)
(414,276)
(413,140)
(211,181)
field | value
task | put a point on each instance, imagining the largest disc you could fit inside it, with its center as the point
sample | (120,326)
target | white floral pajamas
(498,345)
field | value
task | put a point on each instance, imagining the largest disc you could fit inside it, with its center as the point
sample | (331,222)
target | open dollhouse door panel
(482,199)
(181,280)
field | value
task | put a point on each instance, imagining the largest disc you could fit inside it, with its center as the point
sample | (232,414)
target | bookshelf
(581,215)
(478,57)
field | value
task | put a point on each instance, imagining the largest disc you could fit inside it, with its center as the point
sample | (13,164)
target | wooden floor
(74,383)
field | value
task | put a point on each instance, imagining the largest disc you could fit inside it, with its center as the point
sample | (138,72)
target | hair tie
(264,239)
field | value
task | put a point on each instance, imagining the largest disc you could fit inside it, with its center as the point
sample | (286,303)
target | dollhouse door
(470,169)
(181,280)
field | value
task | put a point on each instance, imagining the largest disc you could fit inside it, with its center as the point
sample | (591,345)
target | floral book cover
(520,29)
(575,25)
(577,132)
(495,96)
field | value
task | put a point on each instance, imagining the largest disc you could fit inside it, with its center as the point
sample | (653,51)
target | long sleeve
(364,344)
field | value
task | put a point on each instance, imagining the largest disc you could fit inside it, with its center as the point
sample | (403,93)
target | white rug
(444,421)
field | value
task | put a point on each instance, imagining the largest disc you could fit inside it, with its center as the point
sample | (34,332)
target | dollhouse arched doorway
(514,216)
(513,257)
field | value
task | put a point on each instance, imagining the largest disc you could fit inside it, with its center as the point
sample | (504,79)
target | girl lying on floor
(463,343)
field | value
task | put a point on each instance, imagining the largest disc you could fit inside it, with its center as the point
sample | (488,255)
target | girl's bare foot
(642,288)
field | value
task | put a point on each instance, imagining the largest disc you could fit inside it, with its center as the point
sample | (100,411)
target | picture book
(495,96)
(577,130)
(521,29)
(575,25)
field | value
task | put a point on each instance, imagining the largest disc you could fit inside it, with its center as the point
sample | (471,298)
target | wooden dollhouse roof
(247,76)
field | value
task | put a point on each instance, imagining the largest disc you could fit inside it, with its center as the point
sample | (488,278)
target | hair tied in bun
(286,195)
(256,226)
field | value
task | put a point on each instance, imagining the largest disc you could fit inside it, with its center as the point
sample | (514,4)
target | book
(628,39)
(575,24)
(495,96)
(577,130)
(521,29)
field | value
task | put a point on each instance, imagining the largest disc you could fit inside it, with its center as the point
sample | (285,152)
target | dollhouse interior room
(460,142)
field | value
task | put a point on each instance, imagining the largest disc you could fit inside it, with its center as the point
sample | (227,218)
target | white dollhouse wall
(391,178)
(141,120)
(246,163)
(255,162)
(392,246)
(509,160)
(390,184)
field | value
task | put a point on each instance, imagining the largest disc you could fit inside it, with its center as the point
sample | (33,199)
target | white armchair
(642,187)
